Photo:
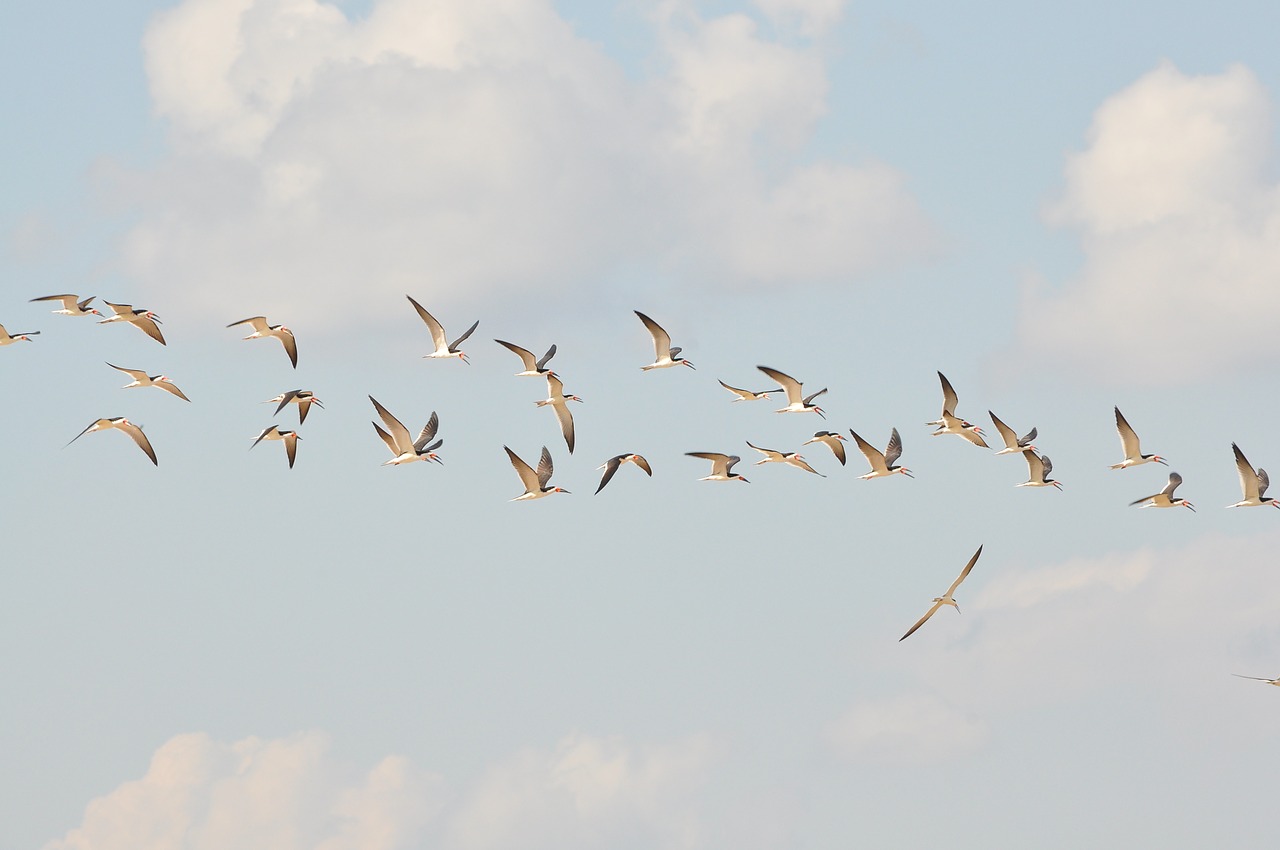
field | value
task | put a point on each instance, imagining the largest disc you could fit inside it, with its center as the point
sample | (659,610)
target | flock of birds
(405,448)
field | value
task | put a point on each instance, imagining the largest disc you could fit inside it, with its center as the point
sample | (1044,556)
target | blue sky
(1061,211)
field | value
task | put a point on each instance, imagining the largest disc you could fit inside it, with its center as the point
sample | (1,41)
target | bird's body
(559,402)
(289,438)
(949,423)
(1013,444)
(303,398)
(1133,455)
(405,449)
(8,339)
(611,465)
(536,484)
(1038,469)
(946,598)
(797,402)
(142,379)
(71,305)
(1165,499)
(789,458)
(748,395)
(1253,483)
(831,440)
(533,367)
(444,348)
(120,423)
(665,355)
(721,466)
(262,330)
(882,464)
(144,320)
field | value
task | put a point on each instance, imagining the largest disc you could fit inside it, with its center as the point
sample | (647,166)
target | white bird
(559,402)
(831,440)
(882,465)
(1038,469)
(303,398)
(144,320)
(747,395)
(532,367)
(1275,681)
(142,379)
(122,424)
(1164,499)
(1253,483)
(789,458)
(611,465)
(444,348)
(7,339)
(946,598)
(797,402)
(1132,447)
(949,423)
(71,306)
(290,439)
(261,330)
(405,449)
(536,484)
(1012,442)
(721,464)
(666,355)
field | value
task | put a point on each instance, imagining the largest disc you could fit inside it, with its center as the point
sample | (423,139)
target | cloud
(1178,215)
(913,729)
(461,147)
(292,794)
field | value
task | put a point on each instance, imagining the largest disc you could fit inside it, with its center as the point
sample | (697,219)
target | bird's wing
(170,387)
(1035,466)
(1145,499)
(454,345)
(1006,433)
(610,467)
(86,430)
(386,438)
(874,456)
(964,573)
(1047,464)
(811,396)
(136,374)
(526,356)
(768,453)
(1264,481)
(949,397)
(151,329)
(643,464)
(788,383)
(566,423)
(974,437)
(745,394)
(259,323)
(141,439)
(1249,482)
(291,447)
(399,433)
(1174,480)
(83,305)
(527,476)
(1027,438)
(265,433)
(304,407)
(291,346)
(921,621)
(437,331)
(542,361)
(285,399)
(125,309)
(555,386)
(545,468)
(68,301)
(427,433)
(894,449)
(1128,438)
(804,464)
(661,339)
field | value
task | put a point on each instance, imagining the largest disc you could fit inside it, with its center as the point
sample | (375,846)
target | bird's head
(572,398)
(559,490)
(23,338)
(743,480)
(94,312)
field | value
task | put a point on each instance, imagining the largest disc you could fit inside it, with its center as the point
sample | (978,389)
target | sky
(1063,211)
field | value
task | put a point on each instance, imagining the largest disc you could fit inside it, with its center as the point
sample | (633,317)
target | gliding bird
(666,355)
(796,402)
(946,598)
(1164,499)
(122,424)
(559,402)
(261,330)
(444,348)
(7,339)
(1038,469)
(611,465)
(831,440)
(1253,483)
(789,458)
(142,379)
(532,367)
(404,449)
(144,320)
(882,465)
(303,398)
(949,423)
(1012,442)
(1132,448)
(721,464)
(747,395)
(536,484)
(290,439)
(71,306)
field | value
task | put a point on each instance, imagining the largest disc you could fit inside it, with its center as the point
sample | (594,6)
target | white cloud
(913,729)
(481,145)
(291,794)
(1178,214)
(810,17)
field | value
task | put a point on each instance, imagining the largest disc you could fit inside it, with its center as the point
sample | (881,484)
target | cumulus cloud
(459,146)
(1178,213)
(292,794)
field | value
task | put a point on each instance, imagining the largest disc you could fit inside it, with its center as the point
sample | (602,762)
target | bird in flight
(120,423)
(882,464)
(611,465)
(444,348)
(1038,469)
(303,398)
(946,598)
(290,439)
(949,423)
(405,449)
(1012,442)
(797,402)
(71,305)
(721,466)
(1132,447)
(831,440)
(1253,483)
(536,484)
(142,379)
(533,367)
(1164,499)
(8,339)
(262,330)
(144,320)
(665,354)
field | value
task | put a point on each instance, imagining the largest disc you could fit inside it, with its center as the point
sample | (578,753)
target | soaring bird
(1132,447)
(8,339)
(797,402)
(611,465)
(122,424)
(949,423)
(1038,469)
(144,320)
(290,439)
(1164,499)
(142,379)
(666,355)
(261,330)
(831,440)
(405,449)
(303,398)
(71,305)
(748,395)
(721,466)
(1253,483)
(946,598)
(882,465)
(559,402)
(533,367)
(444,348)
(789,458)
(536,484)
(1012,442)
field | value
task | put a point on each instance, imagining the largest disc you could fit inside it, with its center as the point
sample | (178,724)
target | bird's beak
(464,358)
(907,473)
(1190,507)
(1161,460)
(818,410)
(1058,484)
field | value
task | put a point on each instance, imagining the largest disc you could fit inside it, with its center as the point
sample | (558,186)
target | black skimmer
(1038,469)
(7,339)
(882,465)
(721,464)
(536,484)
(303,398)
(949,423)
(261,330)
(831,440)
(1012,442)
(748,395)
(666,355)
(1132,447)
(789,458)
(796,401)
(1275,681)
(532,367)
(122,424)
(1253,483)
(611,465)
(946,598)
(71,306)
(559,402)
(145,320)
(290,439)
(142,379)
(1164,499)
(405,449)
(444,348)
